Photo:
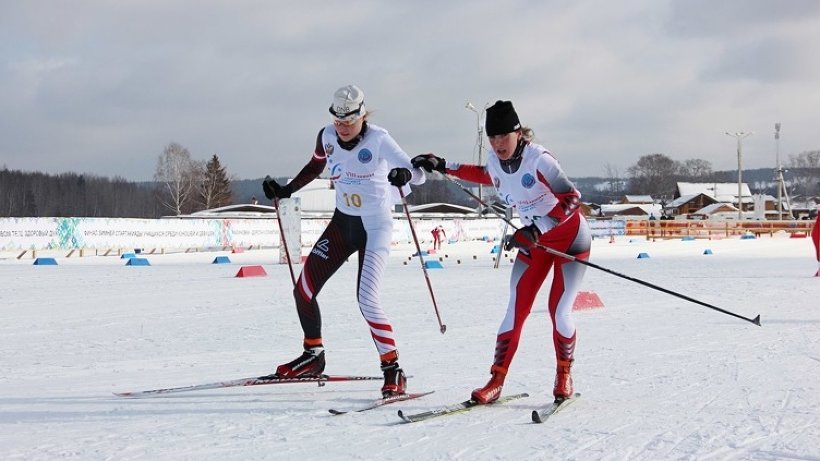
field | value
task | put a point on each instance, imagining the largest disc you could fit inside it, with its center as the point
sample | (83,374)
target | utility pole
(779,171)
(739,135)
(480,129)
(781,183)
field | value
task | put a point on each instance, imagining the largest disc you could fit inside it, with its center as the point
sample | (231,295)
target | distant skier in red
(438,235)
(815,237)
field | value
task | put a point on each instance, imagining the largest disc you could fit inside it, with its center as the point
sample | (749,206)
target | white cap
(348,103)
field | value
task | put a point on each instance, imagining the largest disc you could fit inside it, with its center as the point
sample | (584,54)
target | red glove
(567,204)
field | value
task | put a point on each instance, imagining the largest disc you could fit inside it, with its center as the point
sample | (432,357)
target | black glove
(273,189)
(399,176)
(429,163)
(523,238)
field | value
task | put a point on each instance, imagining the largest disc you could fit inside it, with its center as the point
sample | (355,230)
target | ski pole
(508,214)
(442,326)
(755,320)
(284,240)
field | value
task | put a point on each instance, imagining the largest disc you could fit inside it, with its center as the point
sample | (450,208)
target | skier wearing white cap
(366,166)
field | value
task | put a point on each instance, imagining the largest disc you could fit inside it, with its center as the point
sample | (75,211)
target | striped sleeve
(313,168)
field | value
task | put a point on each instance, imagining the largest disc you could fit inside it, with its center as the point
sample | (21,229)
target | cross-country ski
(455,408)
(539,416)
(381,402)
(258,381)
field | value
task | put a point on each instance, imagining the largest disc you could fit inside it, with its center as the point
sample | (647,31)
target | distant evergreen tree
(29,203)
(35,195)
(215,190)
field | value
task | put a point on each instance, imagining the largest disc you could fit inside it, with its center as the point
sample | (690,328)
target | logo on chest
(528,181)
(335,172)
(365,156)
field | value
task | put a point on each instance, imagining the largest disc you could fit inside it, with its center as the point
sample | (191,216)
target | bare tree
(613,178)
(177,176)
(654,174)
(804,169)
(215,187)
(697,169)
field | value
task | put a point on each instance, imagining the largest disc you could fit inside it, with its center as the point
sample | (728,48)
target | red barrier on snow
(251,271)
(587,300)
(237,250)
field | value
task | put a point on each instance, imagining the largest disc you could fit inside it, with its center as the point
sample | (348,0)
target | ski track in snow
(661,378)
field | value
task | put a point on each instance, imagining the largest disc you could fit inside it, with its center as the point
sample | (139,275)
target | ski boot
(310,363)
(395,381)
(563,380)
(492,390)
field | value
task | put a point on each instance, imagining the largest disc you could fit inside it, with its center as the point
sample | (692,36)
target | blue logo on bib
(335,172)
(527,181)
(365,156)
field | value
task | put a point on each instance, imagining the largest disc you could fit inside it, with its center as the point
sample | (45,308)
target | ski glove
(567,204)
(399,176)
(523,238)
(274,190)
(429,163)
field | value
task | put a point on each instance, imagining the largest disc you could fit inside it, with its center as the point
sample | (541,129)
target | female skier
(527,177)
(366,166)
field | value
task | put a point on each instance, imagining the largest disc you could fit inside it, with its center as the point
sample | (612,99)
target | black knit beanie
(501,118)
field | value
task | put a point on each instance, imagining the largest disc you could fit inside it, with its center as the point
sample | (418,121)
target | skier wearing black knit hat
(528,177)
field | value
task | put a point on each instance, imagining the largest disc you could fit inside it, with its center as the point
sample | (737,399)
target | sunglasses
(350,122)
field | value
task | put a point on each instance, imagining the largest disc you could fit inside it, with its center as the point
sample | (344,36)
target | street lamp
(739,135)
(480,129)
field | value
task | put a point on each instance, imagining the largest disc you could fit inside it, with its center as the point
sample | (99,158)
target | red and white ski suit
(815,237)
(537,187)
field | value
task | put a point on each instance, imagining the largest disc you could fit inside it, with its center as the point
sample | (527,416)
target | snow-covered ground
(661,378)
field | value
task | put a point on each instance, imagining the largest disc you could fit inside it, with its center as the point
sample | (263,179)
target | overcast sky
(103,86)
